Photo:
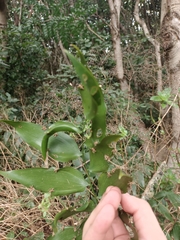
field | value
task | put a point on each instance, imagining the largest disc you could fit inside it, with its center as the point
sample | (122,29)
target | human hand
(105,224)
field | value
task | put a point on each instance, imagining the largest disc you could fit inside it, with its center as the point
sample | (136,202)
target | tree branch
(90,29)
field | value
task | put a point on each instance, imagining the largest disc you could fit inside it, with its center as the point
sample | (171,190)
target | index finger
(111,196)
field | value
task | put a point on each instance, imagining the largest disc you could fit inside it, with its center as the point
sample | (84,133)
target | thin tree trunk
(170,33)
(3,15)
(115,7)
(153,41)
(18,15)
(137,125)
(3,23)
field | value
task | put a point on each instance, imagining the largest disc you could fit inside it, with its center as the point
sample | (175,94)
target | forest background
(132,48)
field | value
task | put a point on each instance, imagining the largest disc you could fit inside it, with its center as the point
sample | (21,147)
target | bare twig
(91,30)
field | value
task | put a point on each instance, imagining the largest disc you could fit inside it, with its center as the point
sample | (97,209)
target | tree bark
(3,15)
(137,125)
(170,33)
(115,7)
(3,23)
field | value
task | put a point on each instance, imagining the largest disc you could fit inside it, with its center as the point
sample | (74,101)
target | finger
(102,222)
(106,226)
(111,196)
(145,221)
(120,232)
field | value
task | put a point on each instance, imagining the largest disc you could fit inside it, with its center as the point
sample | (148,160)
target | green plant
(45,204)
(25,61)
(8,105)
(164,98)
(166,203)
(54,142)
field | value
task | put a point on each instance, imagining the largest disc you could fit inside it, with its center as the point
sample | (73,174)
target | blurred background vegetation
(38,84)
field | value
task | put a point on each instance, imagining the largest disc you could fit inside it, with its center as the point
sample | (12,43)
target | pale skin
(105,224)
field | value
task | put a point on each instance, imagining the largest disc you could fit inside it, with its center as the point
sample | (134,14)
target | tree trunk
(170,33)
(153,41)
(3,23)
(3,15)
(137,125)
(115,7)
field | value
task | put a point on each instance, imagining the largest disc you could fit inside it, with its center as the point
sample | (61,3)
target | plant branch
(91,30)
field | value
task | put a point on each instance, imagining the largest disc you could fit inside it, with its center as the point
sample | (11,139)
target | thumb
(101,224)
(145,221)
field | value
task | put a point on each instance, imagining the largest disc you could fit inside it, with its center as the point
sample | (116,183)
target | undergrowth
(22,214)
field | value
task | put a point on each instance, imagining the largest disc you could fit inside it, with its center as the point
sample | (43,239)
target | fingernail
(108,189)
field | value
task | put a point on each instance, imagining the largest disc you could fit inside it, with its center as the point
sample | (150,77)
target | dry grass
(19,212)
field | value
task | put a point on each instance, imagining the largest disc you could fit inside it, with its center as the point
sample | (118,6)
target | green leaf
(176,231)
(62,182)
(100,153)
(92,98)
(163,105)
(123,132)
(168,236)
(10,235)
(171,196)
(83,61)
(87,207)
(63,148)
(54,128)
(165,94)
(99,123)
(163,97)
(6,137)
(98,163)
(37,236)
(79,234)
(117,178)
(88,82)
(164,211)
(174,199)
(156,99)
(66,234)
(62,126)
(31,133)
(160,195)
(139,177)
